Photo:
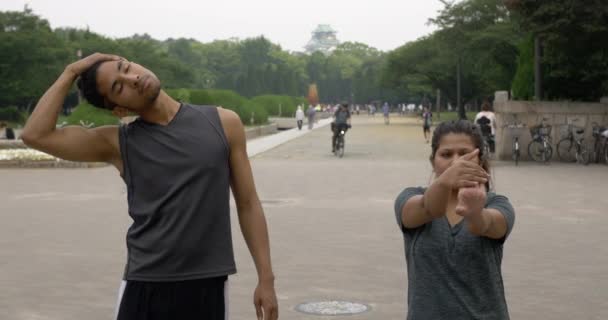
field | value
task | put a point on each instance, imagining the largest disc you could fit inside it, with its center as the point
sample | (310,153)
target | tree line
(480,46)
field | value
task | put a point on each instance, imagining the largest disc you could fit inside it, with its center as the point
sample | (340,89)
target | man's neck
(162,110)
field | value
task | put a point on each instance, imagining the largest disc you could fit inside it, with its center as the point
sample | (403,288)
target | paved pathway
(332,229)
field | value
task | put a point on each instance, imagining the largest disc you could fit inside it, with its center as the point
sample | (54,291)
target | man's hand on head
(80,66)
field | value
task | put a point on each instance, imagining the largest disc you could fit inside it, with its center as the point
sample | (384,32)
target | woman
(454,232)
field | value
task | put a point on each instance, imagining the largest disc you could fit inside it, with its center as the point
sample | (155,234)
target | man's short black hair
(87,84)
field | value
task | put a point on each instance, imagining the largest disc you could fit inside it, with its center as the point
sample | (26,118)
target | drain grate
(332,308)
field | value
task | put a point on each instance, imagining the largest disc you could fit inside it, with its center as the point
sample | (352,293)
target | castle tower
(323,39)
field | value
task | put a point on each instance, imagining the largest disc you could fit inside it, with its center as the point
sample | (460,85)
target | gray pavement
(332,230)
(265,143)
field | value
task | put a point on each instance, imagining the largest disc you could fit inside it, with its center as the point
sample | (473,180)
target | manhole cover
(332,308)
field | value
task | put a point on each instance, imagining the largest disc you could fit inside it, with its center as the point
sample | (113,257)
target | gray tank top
(178,192)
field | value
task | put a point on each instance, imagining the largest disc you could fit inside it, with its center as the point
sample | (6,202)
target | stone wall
(4,164)
(530,113)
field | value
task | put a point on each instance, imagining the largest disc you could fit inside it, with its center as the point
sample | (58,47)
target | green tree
(31,57)
(523,82)
(575,50)
(476,43)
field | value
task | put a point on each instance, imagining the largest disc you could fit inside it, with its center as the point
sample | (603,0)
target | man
(385,112)
(427,121)
(311,114)
(178,162)
(341,121)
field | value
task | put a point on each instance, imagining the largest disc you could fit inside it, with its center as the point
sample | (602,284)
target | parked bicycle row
(571,147)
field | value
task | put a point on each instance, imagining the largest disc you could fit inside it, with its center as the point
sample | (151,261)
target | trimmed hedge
(284,106)
(258,108)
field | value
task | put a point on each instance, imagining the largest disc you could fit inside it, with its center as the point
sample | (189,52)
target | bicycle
(487,141)
(600,143)
(572,147)
(515,129)
(539,148)
(339,150)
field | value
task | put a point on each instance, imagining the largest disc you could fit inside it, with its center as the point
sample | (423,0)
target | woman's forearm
(436,198)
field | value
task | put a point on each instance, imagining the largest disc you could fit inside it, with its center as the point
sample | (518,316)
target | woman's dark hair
(87,84)
(461,127)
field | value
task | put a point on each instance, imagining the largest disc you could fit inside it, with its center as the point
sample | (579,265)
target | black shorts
(426,128)
(176,300)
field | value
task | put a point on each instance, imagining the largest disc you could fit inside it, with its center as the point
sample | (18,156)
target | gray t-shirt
(453,274)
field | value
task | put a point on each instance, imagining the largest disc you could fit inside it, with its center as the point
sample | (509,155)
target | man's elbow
(28,138)
(32,139)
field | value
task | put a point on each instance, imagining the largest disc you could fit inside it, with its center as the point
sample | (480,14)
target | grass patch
(448,116)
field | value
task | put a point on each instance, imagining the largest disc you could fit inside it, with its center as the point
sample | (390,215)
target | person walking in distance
(311,113)
(179,162)
(454,231)
(385,111)
(427,120)
(300,117)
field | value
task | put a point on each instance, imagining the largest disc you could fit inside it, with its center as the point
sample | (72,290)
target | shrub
(88,114)
(12,114)
(182,95)
(259,113)
(275,105)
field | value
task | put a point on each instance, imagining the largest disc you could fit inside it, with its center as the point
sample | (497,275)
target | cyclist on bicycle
(341,122)
(486,119)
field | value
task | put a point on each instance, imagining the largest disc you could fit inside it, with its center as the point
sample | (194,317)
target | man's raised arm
(71,143)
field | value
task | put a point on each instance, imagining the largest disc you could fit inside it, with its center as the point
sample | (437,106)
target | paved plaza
(332,229)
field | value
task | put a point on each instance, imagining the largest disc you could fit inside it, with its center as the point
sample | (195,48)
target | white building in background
(323,40)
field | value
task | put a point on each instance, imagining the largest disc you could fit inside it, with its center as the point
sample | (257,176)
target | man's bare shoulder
(227,115)
(230,120)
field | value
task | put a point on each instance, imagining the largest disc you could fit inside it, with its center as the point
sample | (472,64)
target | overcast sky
(384,24)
